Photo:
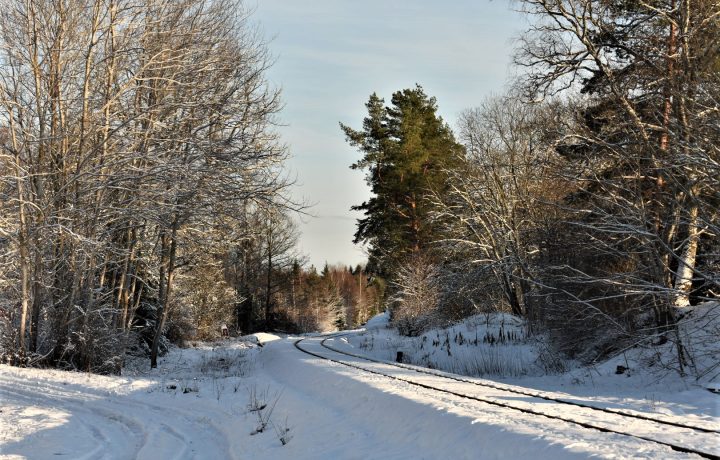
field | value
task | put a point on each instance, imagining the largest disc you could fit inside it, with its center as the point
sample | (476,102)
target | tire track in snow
(147,431)
(86,421)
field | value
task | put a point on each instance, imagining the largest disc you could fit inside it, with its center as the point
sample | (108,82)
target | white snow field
(204,403)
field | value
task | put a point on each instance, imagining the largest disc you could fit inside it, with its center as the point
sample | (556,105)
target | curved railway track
(622,416)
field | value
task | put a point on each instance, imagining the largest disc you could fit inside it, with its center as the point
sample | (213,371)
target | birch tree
(642,75)
(648,70)
(126,126)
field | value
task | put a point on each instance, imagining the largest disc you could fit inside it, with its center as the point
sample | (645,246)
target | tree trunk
(167,269)
(268,285)
(686,265)
(24,251)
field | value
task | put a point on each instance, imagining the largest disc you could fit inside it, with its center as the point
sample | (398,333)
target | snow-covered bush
(416,296)
(491,344)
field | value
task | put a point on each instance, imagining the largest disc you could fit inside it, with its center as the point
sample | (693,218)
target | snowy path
(333,412)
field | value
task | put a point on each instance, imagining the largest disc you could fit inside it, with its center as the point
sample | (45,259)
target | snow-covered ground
(495,347)
(208,402)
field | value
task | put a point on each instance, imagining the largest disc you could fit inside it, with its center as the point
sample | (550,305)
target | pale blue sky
(332,54)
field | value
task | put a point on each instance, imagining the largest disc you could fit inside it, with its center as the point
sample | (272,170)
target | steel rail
(518,391)
(493,402)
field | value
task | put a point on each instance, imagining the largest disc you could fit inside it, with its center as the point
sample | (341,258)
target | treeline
(137,151)
(142,194)
(262,284)
(585,200)
(303,300)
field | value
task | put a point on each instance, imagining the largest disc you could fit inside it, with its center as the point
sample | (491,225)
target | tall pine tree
(407,147)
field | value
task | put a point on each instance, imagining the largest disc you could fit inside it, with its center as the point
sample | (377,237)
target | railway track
(656,428)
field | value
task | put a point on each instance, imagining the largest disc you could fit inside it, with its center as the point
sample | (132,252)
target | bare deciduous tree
(128,127)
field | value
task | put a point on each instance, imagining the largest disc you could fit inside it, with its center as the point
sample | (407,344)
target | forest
(144,198)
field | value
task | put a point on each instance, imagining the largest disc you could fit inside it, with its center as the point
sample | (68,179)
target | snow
(199,404)
(378,321)
(650,385)
(477,346)
(260,338)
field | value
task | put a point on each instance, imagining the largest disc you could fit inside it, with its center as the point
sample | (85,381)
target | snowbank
(378,321)
(645,377)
